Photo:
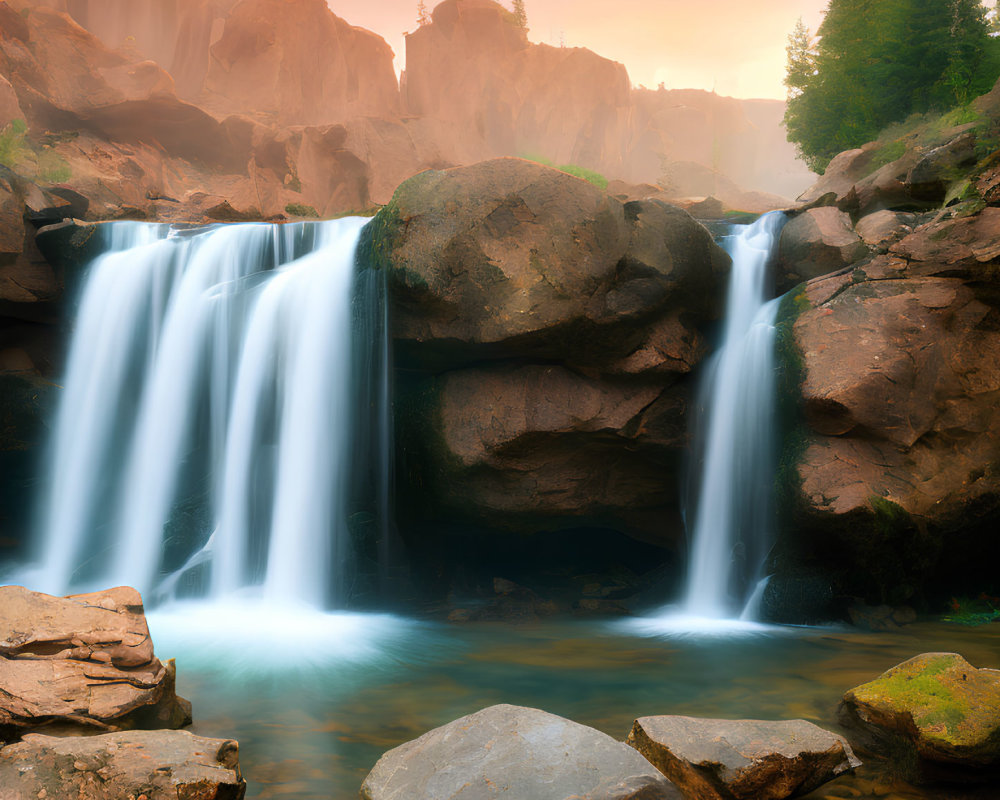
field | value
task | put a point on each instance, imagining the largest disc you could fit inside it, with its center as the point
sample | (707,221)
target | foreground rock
(721,759)
(157,765)
(516,753)
(97,650)
(936,703)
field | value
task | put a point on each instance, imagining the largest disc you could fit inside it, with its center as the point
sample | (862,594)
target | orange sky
(735,46)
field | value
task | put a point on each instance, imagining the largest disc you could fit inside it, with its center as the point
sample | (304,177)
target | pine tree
(520,15)
(876,62)
(423,17)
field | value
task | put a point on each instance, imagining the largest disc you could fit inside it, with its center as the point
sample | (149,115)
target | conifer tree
(520,15)
(423,17)
(876,62)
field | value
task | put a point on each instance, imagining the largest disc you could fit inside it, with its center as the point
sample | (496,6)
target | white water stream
(210,376)
(732,520)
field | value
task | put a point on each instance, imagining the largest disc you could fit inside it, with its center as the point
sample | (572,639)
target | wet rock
(816,242)
(157,765)
(96,649)
(721,759)
(881,617)
(940,705)
(518,753)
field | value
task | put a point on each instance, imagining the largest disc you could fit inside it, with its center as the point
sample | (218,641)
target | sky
(736,47)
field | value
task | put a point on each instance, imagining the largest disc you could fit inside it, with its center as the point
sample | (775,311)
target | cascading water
(204,438)
(732,529)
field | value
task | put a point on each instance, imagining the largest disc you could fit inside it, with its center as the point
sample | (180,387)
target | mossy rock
(946,708)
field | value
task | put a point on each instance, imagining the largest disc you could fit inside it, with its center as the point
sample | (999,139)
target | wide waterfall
(204,440)
(732,518)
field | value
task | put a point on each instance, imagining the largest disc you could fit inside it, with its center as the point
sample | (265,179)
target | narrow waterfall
(203,444)
(732,518)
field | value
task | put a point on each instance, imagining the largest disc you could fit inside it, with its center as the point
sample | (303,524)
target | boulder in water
(723,759)
(83,662)
(157,765)
(938,704)
(517,753)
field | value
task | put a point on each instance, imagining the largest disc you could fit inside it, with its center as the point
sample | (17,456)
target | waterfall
(204,439)
(732,518)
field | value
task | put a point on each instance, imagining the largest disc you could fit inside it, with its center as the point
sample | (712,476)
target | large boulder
(540,447)
(942,707)
(508,257)
(157,765)
(745,759)
(96,648)
(816,242)
(517,753)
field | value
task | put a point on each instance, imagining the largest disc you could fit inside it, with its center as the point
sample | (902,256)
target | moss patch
(954,707)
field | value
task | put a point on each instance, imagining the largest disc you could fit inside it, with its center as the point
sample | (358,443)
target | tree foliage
(520,15)
(423,16)
(877,61)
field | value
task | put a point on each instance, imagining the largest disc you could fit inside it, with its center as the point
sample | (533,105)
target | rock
(883,228)
(942,167)
(96,648)
(899,392)
(525,447)
(797,599)
(721,759)
(518,753)
(816,242)
(157,765)
(299,63)
(942,706)
(509,257)
(512,603)
(880,618)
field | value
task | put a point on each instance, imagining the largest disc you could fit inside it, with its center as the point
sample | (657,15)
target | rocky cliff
(891,477)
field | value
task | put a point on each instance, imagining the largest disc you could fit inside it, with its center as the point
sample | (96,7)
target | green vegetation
(980,611)
(301,210)
(876,63)
(575,170)
(37,161)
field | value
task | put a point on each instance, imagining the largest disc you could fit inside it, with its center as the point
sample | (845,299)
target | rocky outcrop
(157,765)
(816,242)
(515,752)
(300,64)
(96,648)
(938,706)
(546,331)
(722,759)
(899,393)
(474,69)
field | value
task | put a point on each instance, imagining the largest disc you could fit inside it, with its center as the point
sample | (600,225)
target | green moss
(589,175)
(929,699)
(886,154)
(301,210)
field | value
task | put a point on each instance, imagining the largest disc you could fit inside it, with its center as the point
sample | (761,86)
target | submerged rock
(944,708)
(156,765)
(722,759)
(84,662)
(516,753)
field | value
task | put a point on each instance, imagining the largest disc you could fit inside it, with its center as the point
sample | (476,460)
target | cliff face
(474,70)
